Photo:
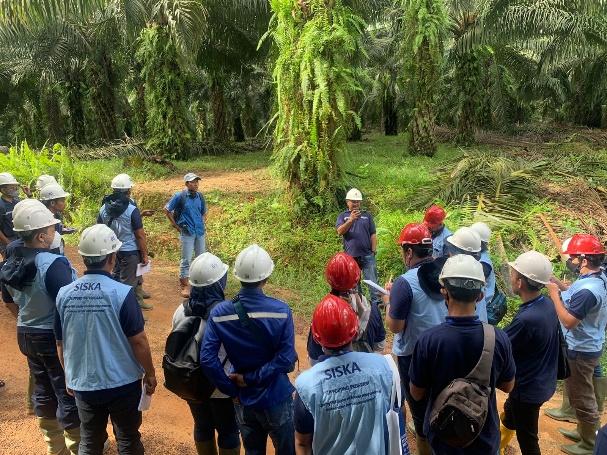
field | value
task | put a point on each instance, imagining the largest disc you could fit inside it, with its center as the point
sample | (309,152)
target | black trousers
(126,420)
(523,418)
(417,408)
(216,414)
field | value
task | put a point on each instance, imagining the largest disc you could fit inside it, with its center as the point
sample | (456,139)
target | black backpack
(183,374)
(497,308)
(459,412)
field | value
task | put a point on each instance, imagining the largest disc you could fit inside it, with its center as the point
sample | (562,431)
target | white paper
(376,287)
(145,401)
(143,269)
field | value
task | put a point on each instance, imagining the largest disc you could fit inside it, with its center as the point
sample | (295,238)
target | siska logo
(88,286)
(342,370)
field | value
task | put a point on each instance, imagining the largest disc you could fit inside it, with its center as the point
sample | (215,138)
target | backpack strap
(481,373)
(247,323)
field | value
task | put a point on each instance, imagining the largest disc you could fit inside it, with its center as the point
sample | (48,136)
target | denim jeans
(368,267)
(215,414)
(189,244)
(256,424)
(126,420)
(49,397)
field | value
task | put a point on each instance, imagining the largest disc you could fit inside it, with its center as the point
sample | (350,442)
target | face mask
(573,268)
(11,193)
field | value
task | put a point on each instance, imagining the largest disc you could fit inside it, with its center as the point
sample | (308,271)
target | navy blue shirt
(194,208)
(535,346)
(450,351)
(6,217)
(600,447)
(357,240)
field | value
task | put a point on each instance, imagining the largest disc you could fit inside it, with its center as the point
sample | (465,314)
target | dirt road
(167,427)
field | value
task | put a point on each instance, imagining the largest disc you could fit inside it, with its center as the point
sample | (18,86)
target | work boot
(145,306)
(184,285)
(506,435)
(586,445)
(53,436)
(600,390)
(206,447)
(423,446)
(140,297)
(234,451)
(565,413)
(573,435)
(72,440)
(144,294)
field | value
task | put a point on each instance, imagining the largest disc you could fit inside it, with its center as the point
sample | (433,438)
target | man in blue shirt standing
(452,349)
(103,347)
(31,279)
(415,305)
(357,228)
(258,336)
(187,212)
(534,335)
(119,213)
(342,401)
(582,310)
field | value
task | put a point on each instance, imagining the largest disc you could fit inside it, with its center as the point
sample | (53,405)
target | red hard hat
(334,322)
(585,244)
(435,216)
(415,234)
(342,272)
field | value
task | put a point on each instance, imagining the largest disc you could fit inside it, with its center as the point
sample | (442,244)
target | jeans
(126,420)
(581,388)
(215,414)
(418,408)
(368,267)
(189,244)
(523,417)
(49,397)
(256,424)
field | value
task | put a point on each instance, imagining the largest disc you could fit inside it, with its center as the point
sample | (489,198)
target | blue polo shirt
(193,210)
(600,447)
(450,351)
(6,217)
(535,345)
(357,240)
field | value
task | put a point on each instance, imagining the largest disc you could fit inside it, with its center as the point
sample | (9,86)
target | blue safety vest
(490,284)
(96,351)
(425,313)
(36,306)
(348,395)
(438,243)
(122,227)
(589,334)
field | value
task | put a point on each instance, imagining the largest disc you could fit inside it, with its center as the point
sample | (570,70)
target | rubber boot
(506,435)
(140,299)
(146,295)
(573,435)
(206,447)
(565,413)
(423,446)
(184,285)
(234,451)
(586,444)
(28,396)
(72,440)
(53,436)
(600,390)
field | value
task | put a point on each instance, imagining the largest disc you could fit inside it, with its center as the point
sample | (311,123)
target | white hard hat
(466,240)
(7,178)
(206,269)
(465,270)
(98,240)
(253,264)
(191,176)
(483,231)
(31,216)
(534,266)
(44,180)
(354,195)
(52,191)
(122,182)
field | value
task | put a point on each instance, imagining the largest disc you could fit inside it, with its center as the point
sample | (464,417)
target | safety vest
(490,284)
(96,351)
(122,227)
(438,243)
(36,306)
(589,334)
(424,314)
(348,396)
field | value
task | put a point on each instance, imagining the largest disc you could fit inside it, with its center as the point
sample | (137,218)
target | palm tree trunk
(219,109)
(390,116)
(75,106)
(103,95)
(421,129)
(52,114)
(238,129)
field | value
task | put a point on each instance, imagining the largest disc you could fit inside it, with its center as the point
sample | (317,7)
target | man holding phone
(357,228)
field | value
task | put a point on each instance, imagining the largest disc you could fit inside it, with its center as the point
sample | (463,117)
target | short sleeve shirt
(357,240)
(193,210)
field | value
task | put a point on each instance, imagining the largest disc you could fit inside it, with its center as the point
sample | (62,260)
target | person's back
(348,397)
